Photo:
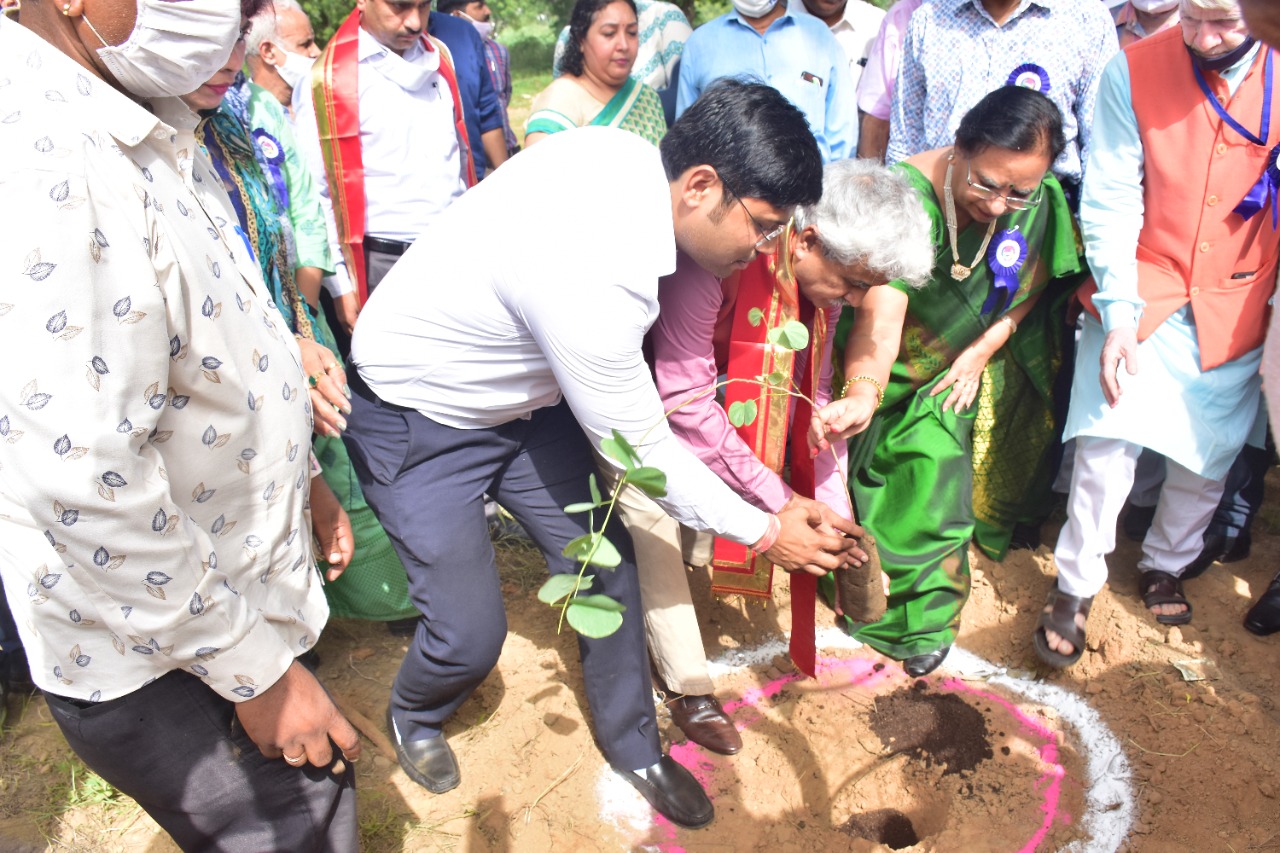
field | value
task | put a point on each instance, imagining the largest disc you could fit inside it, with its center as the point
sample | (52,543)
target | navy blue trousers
(426,482)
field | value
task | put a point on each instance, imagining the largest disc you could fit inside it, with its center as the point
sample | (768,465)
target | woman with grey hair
(930,470)
(869,228)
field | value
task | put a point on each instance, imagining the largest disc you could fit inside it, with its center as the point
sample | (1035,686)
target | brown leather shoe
(705,723)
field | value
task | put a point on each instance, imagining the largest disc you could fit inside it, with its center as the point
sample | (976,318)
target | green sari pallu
(925,481)
(636,108)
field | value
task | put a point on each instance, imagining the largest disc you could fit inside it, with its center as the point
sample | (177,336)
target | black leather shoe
(673,792)
(1137,522)
(1263,617)
(705,723)
(430,762)
(920,665)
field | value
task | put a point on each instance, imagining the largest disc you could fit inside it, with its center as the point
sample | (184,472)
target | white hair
(1229,6)
(872,216)
(264,25)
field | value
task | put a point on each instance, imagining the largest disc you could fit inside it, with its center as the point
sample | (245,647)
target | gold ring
(296,761)
(313,380)
(330,367)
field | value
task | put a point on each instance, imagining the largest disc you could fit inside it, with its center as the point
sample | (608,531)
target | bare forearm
(495,147)
(873,137)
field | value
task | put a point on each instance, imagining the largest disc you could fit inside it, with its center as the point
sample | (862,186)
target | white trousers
(1100,482)
(671,624)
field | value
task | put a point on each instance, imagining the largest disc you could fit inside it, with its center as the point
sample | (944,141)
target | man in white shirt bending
(496,371)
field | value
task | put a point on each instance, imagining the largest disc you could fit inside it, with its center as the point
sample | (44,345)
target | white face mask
(754,8)
(484,28)
(295,69)
(175,46)
(1154,7)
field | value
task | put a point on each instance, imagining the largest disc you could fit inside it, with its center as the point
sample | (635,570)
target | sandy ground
(991,753)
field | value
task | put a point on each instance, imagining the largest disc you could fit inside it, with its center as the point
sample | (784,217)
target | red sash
(768,284)
(335,89)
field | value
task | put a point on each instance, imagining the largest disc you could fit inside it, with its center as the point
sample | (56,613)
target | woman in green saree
(952,417)
(596,88)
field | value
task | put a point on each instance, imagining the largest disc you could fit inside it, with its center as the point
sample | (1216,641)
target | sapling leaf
(581,507)
(791,335)
(742,412)
(594,616)
(777,379)
(754,316)
(595,489)
(651,481)
(605,554)
(557,587)
(620,449)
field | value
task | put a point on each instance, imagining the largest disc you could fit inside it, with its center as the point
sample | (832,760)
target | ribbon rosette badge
(1030,76)
(273,161)
(1265,190)
(1005,257)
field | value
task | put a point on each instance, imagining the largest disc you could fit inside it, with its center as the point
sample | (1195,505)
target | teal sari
(636,108)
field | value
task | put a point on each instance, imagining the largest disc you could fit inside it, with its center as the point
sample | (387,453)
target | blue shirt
(797,55)
(480,107)
(954,54)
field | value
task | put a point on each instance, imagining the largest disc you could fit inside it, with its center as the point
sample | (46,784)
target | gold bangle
(862,377)
(1013,324)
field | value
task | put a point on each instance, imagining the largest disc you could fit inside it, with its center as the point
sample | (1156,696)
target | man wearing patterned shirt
(497,57)
(956,51)
(154,535)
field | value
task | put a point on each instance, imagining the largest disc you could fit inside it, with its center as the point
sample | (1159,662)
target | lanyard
(1226,116)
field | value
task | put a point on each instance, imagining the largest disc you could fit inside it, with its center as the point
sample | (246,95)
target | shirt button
(1212,200)
(1195,291)
(1222,148)
(1204,247)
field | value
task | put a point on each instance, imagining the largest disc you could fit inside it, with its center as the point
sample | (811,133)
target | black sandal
(1164,588)
(1059,616)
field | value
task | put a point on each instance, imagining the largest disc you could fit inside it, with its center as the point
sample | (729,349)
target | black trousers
(426,482)
(175,747)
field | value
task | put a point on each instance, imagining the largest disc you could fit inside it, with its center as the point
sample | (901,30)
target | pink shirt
(693,315)
(875,89)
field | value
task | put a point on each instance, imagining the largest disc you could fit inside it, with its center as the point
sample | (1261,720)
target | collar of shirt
(856,13)
(1048,5)
(787,18)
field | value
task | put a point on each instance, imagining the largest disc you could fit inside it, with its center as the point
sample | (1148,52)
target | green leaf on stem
(742,412)
(582,507)
(595,489)
(595,549)
(620,449)
(754,316)
(594,616)
(791,335)
(651,481)
(777,379)
(557,587)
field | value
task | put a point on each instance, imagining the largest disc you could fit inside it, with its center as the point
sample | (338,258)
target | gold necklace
(958,270)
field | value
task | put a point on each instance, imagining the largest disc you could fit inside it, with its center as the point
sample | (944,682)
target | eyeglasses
(1011,202)
(766,237)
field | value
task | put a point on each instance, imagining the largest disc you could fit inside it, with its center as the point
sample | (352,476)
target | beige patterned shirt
(154,419)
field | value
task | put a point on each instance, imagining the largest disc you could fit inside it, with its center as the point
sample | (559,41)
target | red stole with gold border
(768,284)
(335,89)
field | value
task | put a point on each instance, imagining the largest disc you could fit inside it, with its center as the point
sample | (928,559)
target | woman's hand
(843,418)
(963,378)
(328,383)
(332,528)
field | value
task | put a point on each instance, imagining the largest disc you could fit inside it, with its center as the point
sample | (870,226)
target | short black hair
(1015,118)
(755,139)
(249,8)
(446,7)
(584,12)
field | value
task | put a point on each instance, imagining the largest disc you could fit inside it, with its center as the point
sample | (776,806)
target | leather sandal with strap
(1059,616)
(1163,588)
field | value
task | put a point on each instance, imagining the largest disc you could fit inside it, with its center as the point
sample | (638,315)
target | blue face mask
(1221,63)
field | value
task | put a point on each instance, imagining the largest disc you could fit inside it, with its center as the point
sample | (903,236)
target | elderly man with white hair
(1179,220)
(280,49)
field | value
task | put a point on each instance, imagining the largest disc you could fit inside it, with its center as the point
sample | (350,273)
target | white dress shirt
(856,31)
(474,337)
(154,418)
(408,146)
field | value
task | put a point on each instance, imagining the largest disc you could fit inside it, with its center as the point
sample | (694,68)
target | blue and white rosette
(1267,189)
(1005,257)
(1028,75)
(272,160)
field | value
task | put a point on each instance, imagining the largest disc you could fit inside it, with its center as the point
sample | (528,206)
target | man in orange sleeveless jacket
(1179,217)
